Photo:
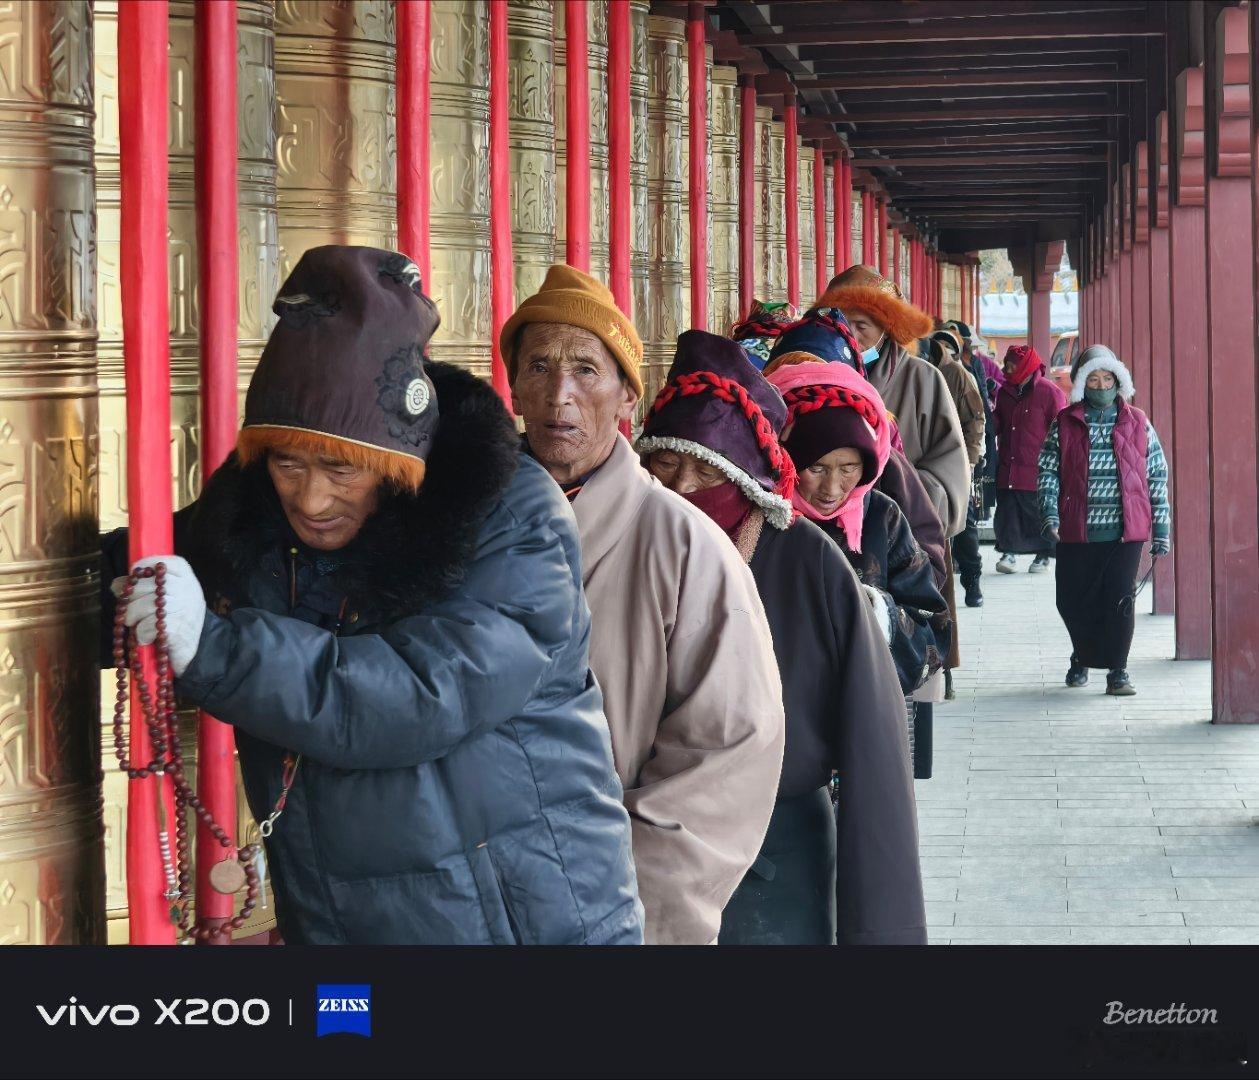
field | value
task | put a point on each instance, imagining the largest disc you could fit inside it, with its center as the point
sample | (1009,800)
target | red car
(1064,355)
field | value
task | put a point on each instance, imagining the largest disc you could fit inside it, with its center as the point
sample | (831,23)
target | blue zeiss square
(343,1008)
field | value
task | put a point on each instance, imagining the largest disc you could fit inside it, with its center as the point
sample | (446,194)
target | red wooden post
(217,287)
(142,105)
(820,276)
(577,135)
(881,216)
(747,192)
(1161,401)
(502,277)
(963,300)
(412,29)
(697,164)
(867,226)
(620,122)
(896,256)
(1124,347)
(791,177)
(1139,265)
(844,236)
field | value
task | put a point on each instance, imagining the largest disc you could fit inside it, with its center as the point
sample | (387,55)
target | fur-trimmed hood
(1100,358)
(413,551)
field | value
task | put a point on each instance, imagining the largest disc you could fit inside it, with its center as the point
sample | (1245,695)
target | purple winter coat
(1023,415)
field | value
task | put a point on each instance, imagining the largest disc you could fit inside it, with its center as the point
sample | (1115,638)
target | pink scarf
(851,512)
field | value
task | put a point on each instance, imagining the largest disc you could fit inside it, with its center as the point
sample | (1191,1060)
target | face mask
(1100,399)
(872,354)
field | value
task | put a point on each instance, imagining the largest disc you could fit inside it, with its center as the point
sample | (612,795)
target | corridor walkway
(1061,816)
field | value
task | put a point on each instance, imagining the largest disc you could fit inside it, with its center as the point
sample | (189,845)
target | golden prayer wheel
(668,301)
(723,198)
(52,883)
(597,66)
(531,74)
(855,222)
(807,226)
(828,187)
(640,226)
(770,230)
(258,254)
(459,182)
(335,144)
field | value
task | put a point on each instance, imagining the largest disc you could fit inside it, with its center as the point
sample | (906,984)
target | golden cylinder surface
(828,187)
(640,225)
(258,258)
(597,66)
(855,222)
(668,302)
(771,208)
(807,226)
(459,182)
(52,883)
(531,74)
(723,197)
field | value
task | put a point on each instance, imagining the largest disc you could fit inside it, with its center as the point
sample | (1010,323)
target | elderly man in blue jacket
(384,598)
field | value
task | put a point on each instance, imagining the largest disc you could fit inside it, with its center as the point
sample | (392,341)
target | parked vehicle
(1066,350)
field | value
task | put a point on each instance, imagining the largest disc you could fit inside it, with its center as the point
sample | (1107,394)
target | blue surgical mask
(872,354)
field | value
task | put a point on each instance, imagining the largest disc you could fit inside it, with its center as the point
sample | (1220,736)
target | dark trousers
(1096,593)
(966,550)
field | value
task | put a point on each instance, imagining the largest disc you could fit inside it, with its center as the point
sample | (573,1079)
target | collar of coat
(610,501)
(413,551)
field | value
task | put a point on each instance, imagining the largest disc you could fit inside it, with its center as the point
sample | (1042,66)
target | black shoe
(1118,684)
(974,595)
(1077,674)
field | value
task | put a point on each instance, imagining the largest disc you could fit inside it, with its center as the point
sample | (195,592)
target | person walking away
(712,437)
(679,641)
(1103,495)
(383,597)
(1027,404)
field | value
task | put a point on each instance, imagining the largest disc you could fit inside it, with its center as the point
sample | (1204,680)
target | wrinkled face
(572,396)
(869,333)
(1010,366)
(325,500)
(827,483)
(684,473)
(1100,380)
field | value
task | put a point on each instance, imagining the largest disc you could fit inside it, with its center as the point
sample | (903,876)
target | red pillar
(1139,335)
(1230,374)
(1160,399)
(882,226)
(577,136)
(697,166)
(820,276)
(502,278)
(1124,348)
(747,193)
(1038,335)
(620,198)
(896,256)
(218,288)
(975,294)
(412,30)
(142,103)
(791,151)
(867,227)
(843,214)
(1191,511)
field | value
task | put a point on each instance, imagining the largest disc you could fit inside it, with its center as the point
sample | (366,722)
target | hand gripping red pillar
(577,136)
(697,163)
(217,286)
(412,22)
(502,277)
(142,103)
(747,193)
(791,176)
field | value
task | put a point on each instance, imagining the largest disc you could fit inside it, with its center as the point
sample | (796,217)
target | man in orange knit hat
(679,640)
(383,596)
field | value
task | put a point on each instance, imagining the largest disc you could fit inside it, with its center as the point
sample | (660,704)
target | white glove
(882,610)
(185,609)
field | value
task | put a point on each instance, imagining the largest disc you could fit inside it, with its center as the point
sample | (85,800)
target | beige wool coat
(682,650)
(915,393)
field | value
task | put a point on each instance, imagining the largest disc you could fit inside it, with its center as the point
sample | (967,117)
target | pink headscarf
(850,514)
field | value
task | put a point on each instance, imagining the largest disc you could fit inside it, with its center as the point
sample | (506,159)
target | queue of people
(553,685)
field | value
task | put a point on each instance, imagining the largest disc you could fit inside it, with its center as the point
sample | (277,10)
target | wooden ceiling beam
(950,114)
(917,80)
(840,32)
(968,52)
(926,139)
(978,158)
(857,12)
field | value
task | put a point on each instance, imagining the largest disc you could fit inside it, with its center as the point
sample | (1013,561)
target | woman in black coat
(712,438)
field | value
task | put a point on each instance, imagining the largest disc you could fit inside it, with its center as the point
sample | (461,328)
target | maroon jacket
(1131,443)
(1023,417)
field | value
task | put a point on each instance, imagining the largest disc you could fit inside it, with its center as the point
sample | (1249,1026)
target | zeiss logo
(343,1008)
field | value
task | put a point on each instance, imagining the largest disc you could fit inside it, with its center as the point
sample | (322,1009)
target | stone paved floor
(1061,816)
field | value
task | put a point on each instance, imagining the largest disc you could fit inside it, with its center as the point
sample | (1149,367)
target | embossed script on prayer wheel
(668,255)
(723,197)
(640,225)
(258,256)
(335,148)
(531,74)
(771,208)
(808,239)
(52,887)
(460,182)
